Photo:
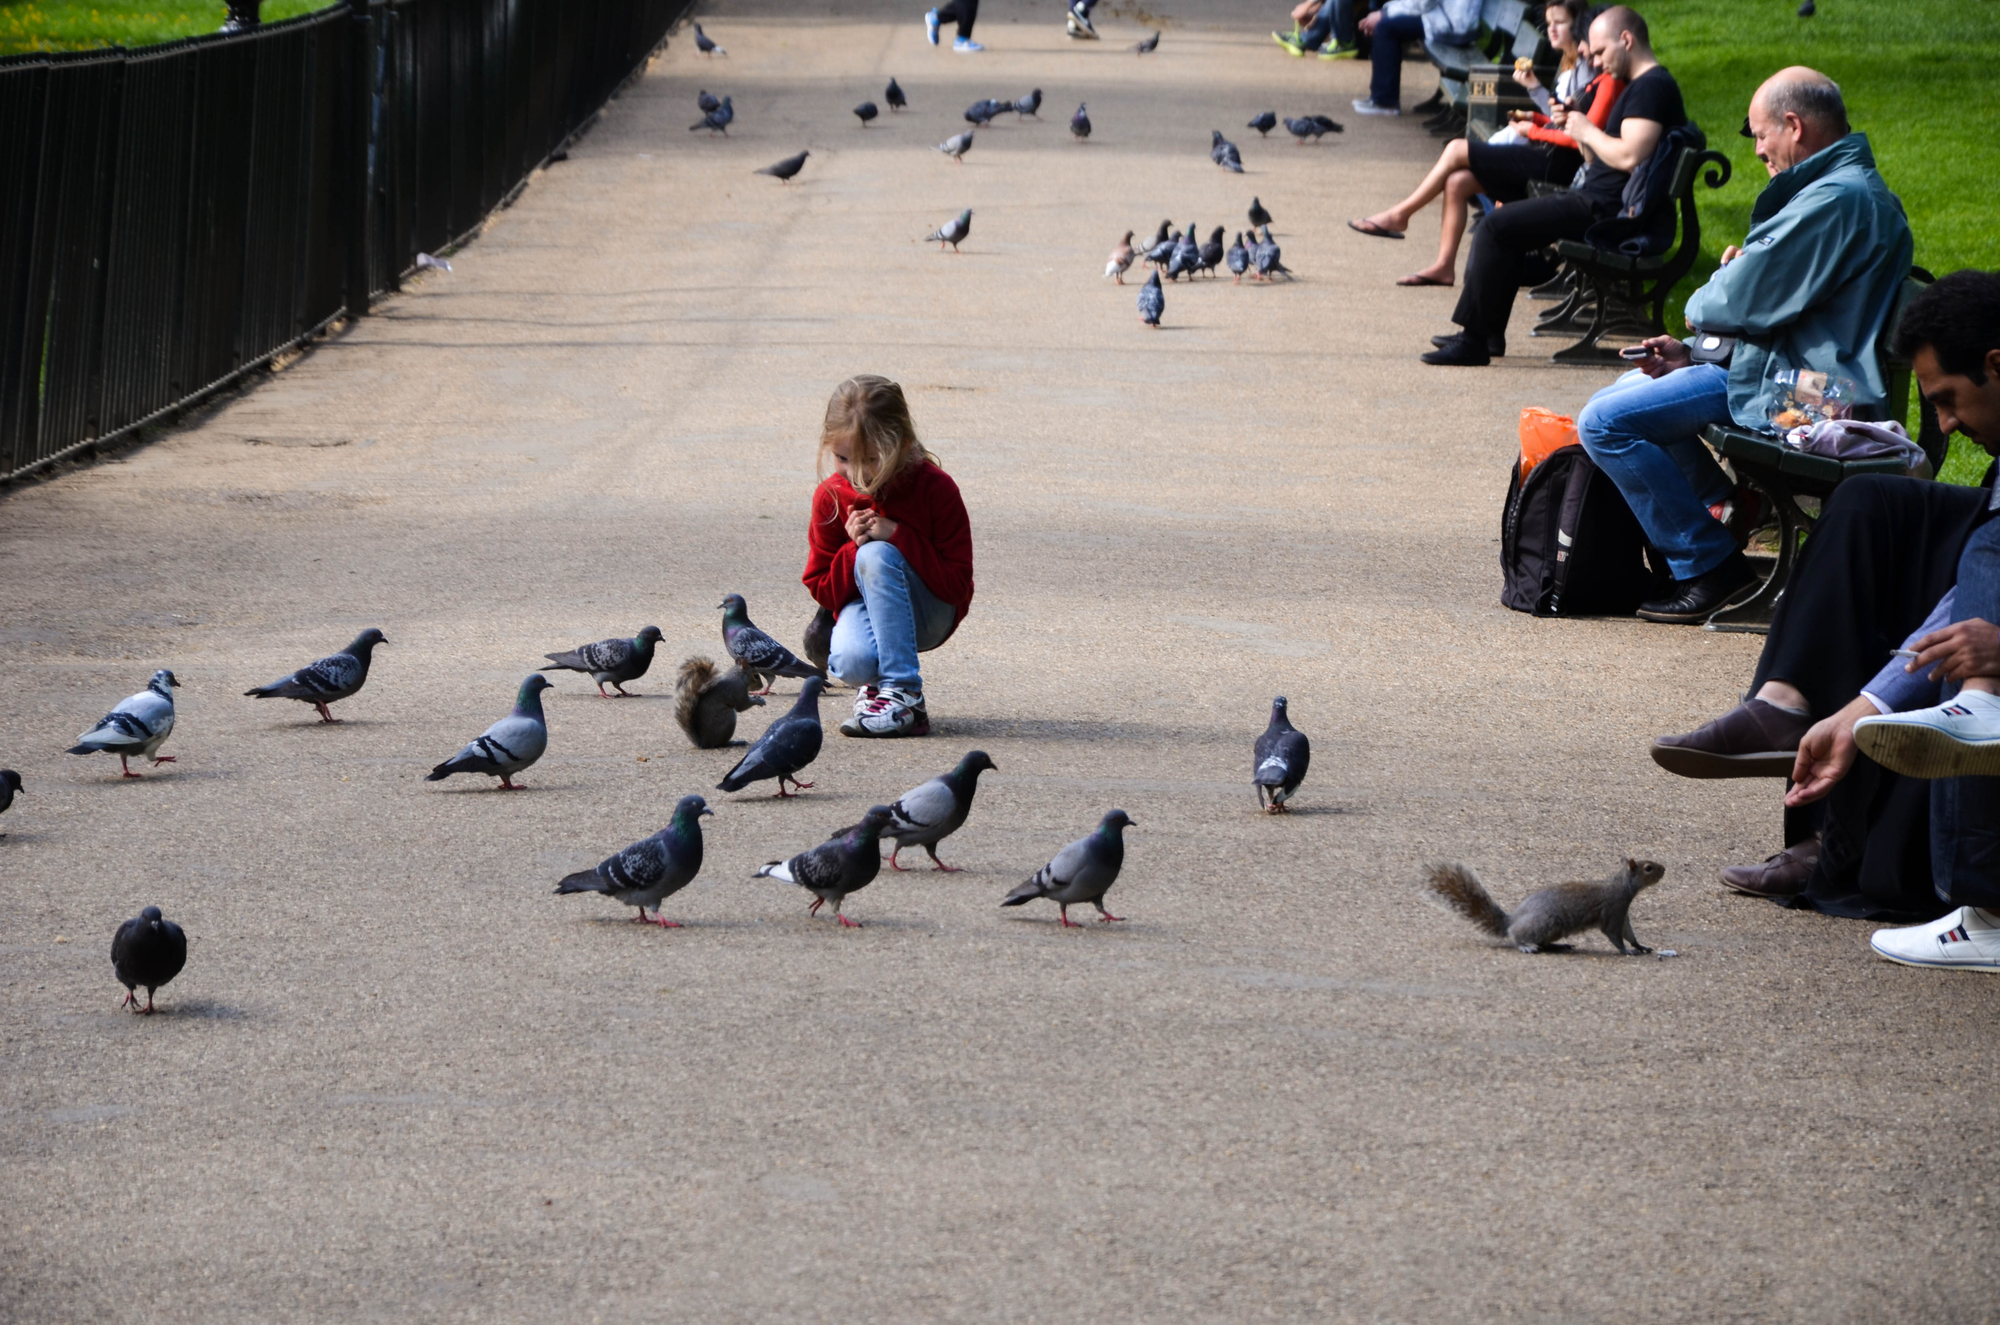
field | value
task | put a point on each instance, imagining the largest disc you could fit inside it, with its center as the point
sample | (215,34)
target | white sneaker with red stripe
(1966,940)
(887,711)
(1957,739)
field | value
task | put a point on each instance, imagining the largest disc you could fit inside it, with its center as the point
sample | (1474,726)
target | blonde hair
(870,412)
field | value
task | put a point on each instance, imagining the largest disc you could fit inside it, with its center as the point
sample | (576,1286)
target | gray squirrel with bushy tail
(1550,913)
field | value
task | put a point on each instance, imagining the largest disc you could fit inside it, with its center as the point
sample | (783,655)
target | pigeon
(509,745)
(1266,258)
(706,101)
(1238,259)
(704,45)
(1152,300)
(1807,9)
(426,262)
(951,232)
(1163,246)
(819,638)
(717,120)
(1282,755)
(925,816)
(1147,46)
(10,786)
(845,863)
(1030,104)
(648,872)
(1224,153)
(331,679)
(894,96)
(786,746)
(139,725)
(1185,257)
(784,170)
(147,950)
(759,654)
(981,112)
(612,661)
(865,112)
(1304,129)
(1258,216)
(957,146)
(1079,123)
(1211,252)
(1264,123)
(706,702)
(1083,871)
(1328,124)
(1120,259)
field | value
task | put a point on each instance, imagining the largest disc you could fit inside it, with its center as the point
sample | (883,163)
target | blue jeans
(1965,812)
(877,637)
(1335,19)
(1646,433)
(1385,85)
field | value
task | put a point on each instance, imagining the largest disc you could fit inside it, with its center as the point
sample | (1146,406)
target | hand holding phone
(1636,352)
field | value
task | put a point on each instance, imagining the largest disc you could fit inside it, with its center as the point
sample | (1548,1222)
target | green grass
(74,25)
(1918,79)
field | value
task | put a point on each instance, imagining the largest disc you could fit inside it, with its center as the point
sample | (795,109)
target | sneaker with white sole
(1367,107)
(966,46)
(1966,940)
(887,711)
(1954,740)
(931,26)
(1079,23)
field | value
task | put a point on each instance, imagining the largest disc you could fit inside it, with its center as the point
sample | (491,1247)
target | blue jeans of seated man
(876,638)
(1385,81)
(1645,432)
(1965,812)
(1335,20)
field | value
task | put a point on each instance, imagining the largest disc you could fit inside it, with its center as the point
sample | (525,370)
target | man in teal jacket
(1812,288)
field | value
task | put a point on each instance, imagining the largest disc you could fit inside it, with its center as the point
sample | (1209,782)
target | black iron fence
(175,216)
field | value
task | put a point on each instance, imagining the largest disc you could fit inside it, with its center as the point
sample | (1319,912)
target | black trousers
(1500,263)
(1505,170)
(961,12)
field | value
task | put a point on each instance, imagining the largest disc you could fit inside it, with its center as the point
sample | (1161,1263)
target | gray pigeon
(894,96)
(784,170)
(10,787)
(1152,301)
(139,725)
(786,746)
(957,146)
(1211,252)
(648,872)
(1329,124)
(1266,259)
(509,745)
(1282,756)
(611,661)
(1305,128)
(1185,257)
(717,120)
(1224,153)
(925,816)
(865,112)
(759,654)
(1163,246)
(425,262)
(1079,123)
(1264,123)
(706,102)
(951,232)
(706,702)
(818,641)
(1238,259)
(331,679)
(1083,871)
(1030,104)
(981,112)
(1258,216)
(845,863)
(1147,46)
(704,45)
(147,950)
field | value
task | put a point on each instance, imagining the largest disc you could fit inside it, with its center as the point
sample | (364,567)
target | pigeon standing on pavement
(1082,872)
(925,816)
(1258,216)
(331,679)
(1264,123)
(1224,153)
(1282,755)
(1152,301)
(1305,128)
(509,745)
(1163,245)
(957,146)
(1185,257)
(784,170)
(139,725)
(1147,46)
(648,872)
(952,231)
(1329,124)
(759,654)
(706,101)
(706,702)
(1121,259)
(609,662)
(980,113)
(1266,258)
(717,120)
(1030,104)
(894,96)
(10,786)
(1238,259)
(147,950)
(844,864)
(1211,252)
(704,45)
(865,112)
(786,746)
(1079,123)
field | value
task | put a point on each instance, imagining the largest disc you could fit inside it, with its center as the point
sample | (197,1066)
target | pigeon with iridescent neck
(925,816)
(509,745)
(649,871)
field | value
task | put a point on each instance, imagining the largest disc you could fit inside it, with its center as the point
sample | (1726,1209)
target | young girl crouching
(889,551)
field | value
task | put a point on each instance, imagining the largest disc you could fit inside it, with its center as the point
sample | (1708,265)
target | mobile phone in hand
(1636,352)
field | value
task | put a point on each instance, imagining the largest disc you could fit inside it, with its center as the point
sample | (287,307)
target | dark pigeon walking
(981,112)
(1079,123)
(609,662)
(1282,756)
(707,102)
(10,787)
(147,950)
(1082,872)
(865,112)
(1211,252)
(1152,301)
(760,655)
(1266,259)
(783,171)
(649,871)
(1238,259)
(1258,216)
(706,702)
(509,745)
(894,96)
(952,231)
(139,725)
(1163,246)
(1147,46)
(925,816)
(1329,124)
(1185,257)
(1030,104)
(717,120)
(1264,123)
(787,745)
(842,865)
(331,679)
(1224,153)
(704,45)
(1305,128)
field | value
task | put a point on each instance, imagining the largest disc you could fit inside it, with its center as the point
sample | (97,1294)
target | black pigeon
(1258,216)
(1266,259)
(784,170)
(1264,123)
(1224,153)
(1304,129)
(1030,104)
(1211,252)
(894,96)
(1152,301)
(706,702)
(1282,756)
(704,45)
(786,746)
(1079,123)
(706,101)
(818,640)
(648,872)
(1238,259)
(331,679)
(1083,871)
(10,786)
(717,120)
(610,662)
(147,950)
(1186,256)
(1163,245)
(845,863)
(982,112)
(1330,125)
(760,655)
(1147,46)
(925,816)
(865,112)
(1806,9)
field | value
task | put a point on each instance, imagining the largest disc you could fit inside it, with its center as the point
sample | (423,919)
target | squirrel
(706,702)
(1550,913)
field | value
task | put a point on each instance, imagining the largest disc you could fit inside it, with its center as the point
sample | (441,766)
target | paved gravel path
(402,1081)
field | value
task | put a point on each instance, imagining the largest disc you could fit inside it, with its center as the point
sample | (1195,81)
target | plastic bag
(1801,397)
(1543,433)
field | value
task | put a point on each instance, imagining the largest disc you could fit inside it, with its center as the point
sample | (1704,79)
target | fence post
(359,117)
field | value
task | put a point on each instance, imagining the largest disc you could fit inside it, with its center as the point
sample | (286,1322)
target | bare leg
(1458,191)
(1783,695)
(1397,218)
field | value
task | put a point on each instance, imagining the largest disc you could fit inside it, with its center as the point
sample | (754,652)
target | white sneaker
(966,46)
(1079,23)
(1367,107)
(887,711)
(931,26)
(1968,940)
(1955,740)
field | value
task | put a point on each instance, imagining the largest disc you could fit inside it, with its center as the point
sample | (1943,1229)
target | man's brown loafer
(1755,739)
(1783,875)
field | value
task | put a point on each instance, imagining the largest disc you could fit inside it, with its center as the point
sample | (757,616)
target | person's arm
(1628,151)
(1959,651)
(1787,265)
(1826,753)
(829,573)
(1539,95)
(941,551)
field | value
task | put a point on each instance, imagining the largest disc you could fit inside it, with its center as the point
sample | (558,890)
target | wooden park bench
(1503,26)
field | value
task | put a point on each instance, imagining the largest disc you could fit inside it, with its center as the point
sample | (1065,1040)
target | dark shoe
(1783,875)
(1695,601)
(1756,739)
(1461,352)
(1495,345)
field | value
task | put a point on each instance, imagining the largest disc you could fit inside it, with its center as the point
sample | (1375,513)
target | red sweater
(932,532)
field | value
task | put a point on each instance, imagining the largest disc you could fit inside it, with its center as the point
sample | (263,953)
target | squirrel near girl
(1550,913)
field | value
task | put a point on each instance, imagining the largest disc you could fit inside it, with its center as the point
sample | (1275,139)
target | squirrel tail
(697,674)
(1456,888)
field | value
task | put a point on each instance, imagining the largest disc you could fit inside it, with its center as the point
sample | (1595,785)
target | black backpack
(1570,546)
